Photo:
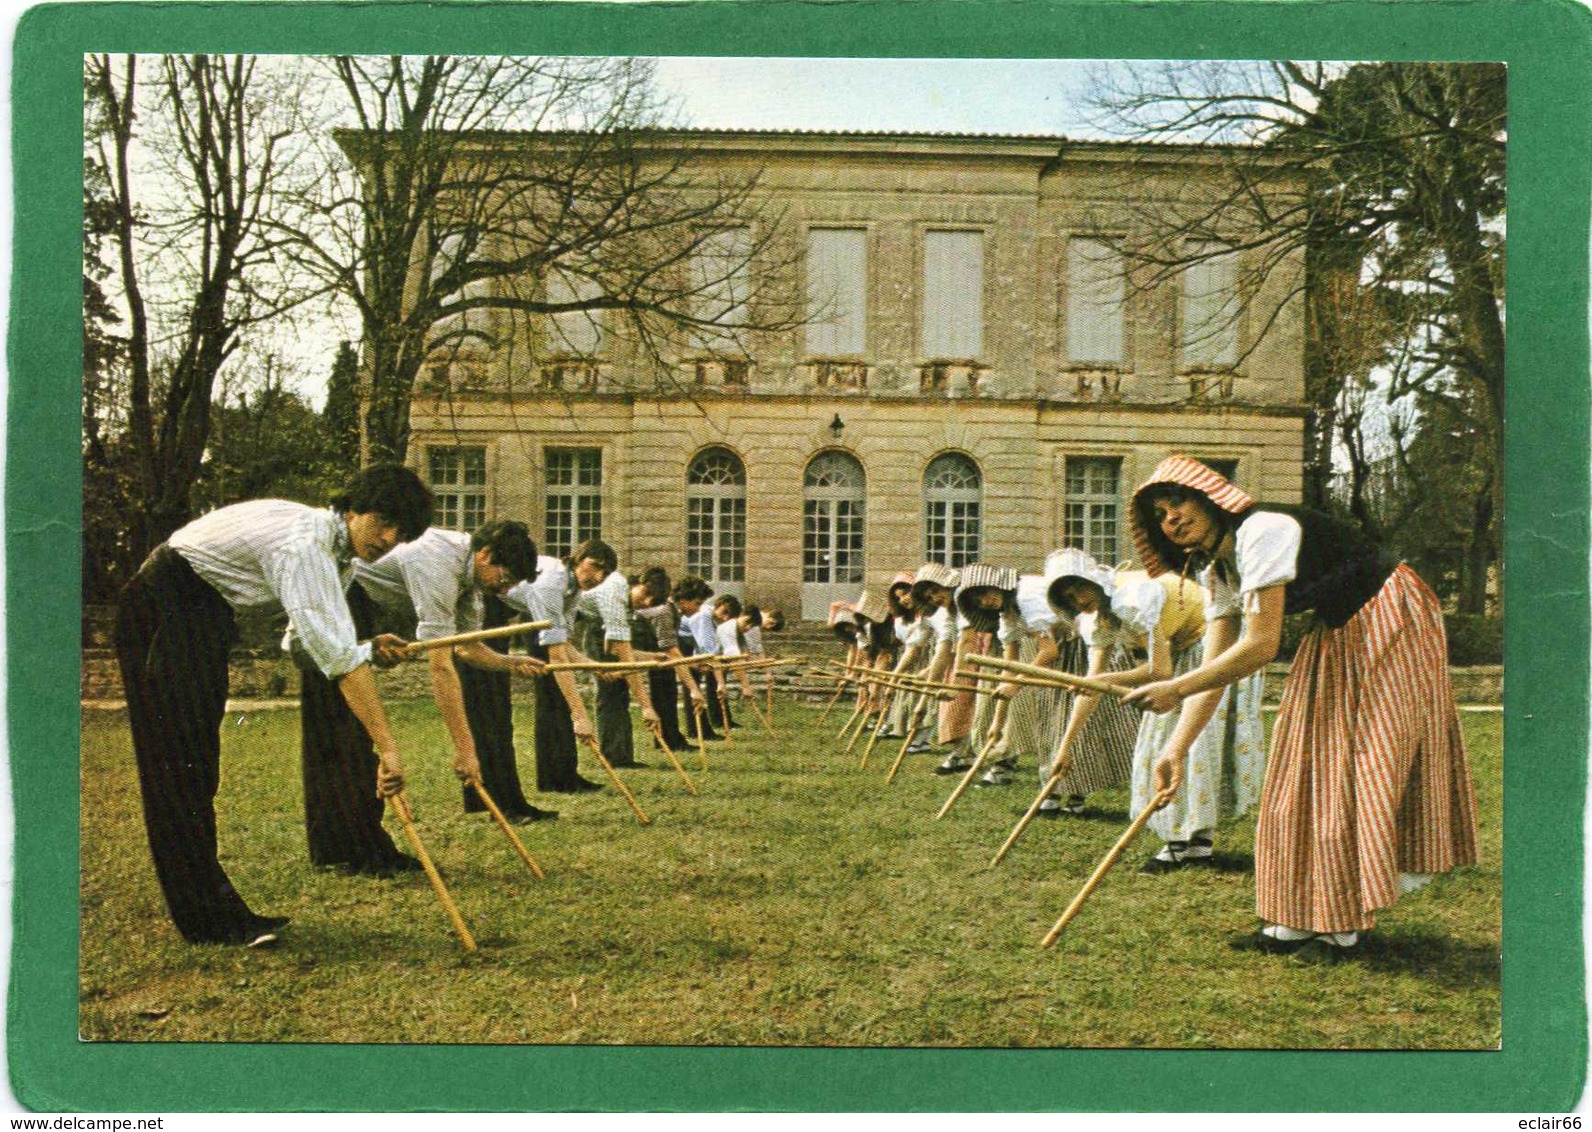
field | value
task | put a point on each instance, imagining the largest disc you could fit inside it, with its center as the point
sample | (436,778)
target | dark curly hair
(511,547)
(395,493)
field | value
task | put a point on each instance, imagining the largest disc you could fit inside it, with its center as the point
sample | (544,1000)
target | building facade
(981,376)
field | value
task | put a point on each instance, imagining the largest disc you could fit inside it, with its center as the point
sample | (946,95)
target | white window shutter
(953,294)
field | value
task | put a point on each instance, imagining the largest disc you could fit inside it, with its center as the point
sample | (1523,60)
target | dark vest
(1339,569)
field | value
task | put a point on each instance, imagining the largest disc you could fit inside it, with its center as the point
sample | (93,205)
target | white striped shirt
(435,575)
(703,631)
(551,597)
(272,554)
(609,601)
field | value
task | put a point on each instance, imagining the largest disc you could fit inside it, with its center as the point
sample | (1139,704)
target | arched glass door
(833,493)
(952,499)
(715,520)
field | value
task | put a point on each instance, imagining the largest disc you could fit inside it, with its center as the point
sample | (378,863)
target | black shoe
(530,814)
(633,764)
(584,786)
(271,923)
(382,868)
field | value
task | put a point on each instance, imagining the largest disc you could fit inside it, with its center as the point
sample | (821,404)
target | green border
(1543,1060)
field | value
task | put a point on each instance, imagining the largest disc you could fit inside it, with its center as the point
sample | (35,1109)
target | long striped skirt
(956,715)
(1102,755)
(1226,763)
(1029,718)
(1367,777)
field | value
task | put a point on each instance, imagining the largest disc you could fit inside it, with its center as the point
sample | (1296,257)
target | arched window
(833,493)
(953,494)
(715,519)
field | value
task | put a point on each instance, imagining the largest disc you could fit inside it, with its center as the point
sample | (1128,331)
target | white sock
(1285,933)
(1413,882)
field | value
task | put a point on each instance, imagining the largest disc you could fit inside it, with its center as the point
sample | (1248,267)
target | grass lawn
(796,901)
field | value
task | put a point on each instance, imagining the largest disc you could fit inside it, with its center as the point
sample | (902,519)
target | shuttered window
(579,333)
(1210,309)
(953,295)
(837,280)
(721,285)
(1094,302)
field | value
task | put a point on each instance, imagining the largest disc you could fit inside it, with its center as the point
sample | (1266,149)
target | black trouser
(556,756)
(687,704)
(613,722)
(661,683)
(489,707)
(342,814)
(173,633)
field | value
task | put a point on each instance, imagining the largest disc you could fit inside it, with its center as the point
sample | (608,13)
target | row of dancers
(1366,791)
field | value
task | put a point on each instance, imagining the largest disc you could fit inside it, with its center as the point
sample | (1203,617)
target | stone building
(981,379)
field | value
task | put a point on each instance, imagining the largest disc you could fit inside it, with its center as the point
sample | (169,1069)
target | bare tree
(185,162)
(485,214)
(1387,179)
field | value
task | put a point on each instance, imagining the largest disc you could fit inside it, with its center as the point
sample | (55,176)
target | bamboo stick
(503,824)
(415,648)
(1080,683)
(619,782)
(878,727)
(657,733)
(700,714)
(1104,867)
(1033,808)
(917,721)
(400,806)
(996,731)
(835,699)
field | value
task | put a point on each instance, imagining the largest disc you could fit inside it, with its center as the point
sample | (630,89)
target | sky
(1024,96)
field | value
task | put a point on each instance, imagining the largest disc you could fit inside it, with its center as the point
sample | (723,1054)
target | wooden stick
(855,712)
(1050,675)
(758,711)
(700,714)
(400,806)
(602,666)
(415,648)
(835,699)
(724,706)
(917,721)
(996,730)
(878,727)
(503,824)
(657,733)
(1039,800)
(1104,867)
(1020,681)
(861,727)
(614,774)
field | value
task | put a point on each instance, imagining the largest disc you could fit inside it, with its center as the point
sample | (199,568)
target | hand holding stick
(617,781)
(400,806)
(415,648)
(503,824)
(1104,867)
